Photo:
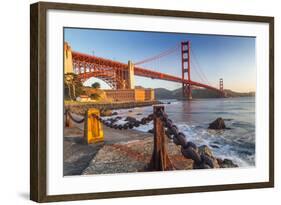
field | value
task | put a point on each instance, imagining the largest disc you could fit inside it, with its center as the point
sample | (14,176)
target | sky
(232,58)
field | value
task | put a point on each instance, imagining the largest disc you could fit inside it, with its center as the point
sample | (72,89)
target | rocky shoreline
(122,151)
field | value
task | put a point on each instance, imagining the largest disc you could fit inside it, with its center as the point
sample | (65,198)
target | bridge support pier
(189,92)
(131,75)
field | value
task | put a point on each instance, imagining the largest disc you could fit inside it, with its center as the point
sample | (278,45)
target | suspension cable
(160,55)
(199,67)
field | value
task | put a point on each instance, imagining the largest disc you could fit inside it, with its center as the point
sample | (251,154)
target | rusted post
(160,160)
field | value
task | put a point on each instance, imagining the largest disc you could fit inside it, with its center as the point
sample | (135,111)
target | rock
(217,124)
(227,163)
(205,150)
(105,112)
(130,119)
(220,161)
(114,113)
(214,146)
(203,166)
(139,113)
(130,110)
(151,131)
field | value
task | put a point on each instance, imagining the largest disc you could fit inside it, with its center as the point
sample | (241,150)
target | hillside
(162,93)
(231,93)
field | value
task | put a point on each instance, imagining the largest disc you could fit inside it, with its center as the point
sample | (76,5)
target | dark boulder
(130,119)
(151,131)
(214,146)
(114,113)
(217,124)
(208,157)
(227,163)
(220,161)
(205,150)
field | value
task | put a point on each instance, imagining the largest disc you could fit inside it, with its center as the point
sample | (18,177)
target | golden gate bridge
(120,75)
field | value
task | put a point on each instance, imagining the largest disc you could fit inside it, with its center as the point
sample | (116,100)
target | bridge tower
(67,54)
(185,56)
(221,88)
(131,75)
(127,78)
(221,84)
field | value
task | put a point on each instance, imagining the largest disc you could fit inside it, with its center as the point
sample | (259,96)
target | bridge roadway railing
(163,127)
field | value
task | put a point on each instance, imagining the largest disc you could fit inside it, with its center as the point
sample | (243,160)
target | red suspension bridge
(119,75)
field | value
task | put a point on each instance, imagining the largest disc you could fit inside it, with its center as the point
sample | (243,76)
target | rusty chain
(128,125)
(189,149)
(67,113)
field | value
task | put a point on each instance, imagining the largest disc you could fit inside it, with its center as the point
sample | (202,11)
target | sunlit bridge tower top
(185,56)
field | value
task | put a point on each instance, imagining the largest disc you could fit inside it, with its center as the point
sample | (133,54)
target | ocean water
(193,118)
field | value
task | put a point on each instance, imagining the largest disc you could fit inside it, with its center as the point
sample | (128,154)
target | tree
(94,96)
(68,81)
(72,86)
(96,85)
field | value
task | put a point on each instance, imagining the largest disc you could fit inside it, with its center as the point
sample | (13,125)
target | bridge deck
(139,71)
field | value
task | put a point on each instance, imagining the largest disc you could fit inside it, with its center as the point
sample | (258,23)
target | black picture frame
(38,103)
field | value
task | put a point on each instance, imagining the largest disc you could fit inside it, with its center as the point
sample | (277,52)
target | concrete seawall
(80,108)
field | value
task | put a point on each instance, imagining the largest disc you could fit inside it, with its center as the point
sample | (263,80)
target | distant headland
(162,93)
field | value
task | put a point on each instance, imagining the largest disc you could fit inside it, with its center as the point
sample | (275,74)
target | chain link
(67,113)
(188,149)
(128,125)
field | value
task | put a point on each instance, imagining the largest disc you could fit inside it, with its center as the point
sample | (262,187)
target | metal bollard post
(93,132)
(160,160)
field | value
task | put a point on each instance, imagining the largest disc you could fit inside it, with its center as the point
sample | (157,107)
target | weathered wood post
(160,160)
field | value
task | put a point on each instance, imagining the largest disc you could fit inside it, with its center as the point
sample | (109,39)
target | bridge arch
(104,85)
